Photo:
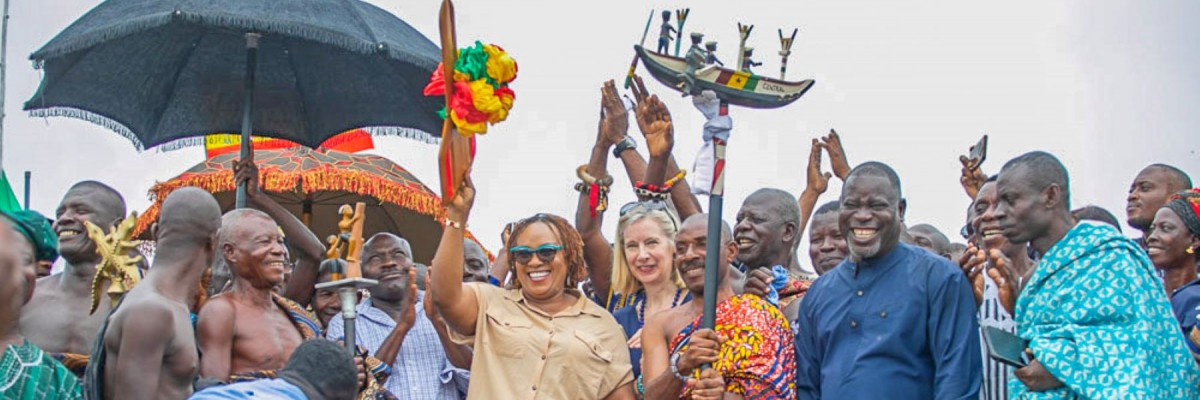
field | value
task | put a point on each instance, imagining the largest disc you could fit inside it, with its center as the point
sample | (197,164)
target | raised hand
(614,120)
(409,318)
(246,171)
(972,263)
(972,177)
(653,120)
(837,155)
(818,182)
(1002,274)
(464,199)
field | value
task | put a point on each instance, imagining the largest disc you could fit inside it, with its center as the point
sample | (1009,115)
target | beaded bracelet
(597,189)
(666,187)
(643,193)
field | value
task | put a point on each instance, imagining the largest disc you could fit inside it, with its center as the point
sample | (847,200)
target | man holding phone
(1093,311)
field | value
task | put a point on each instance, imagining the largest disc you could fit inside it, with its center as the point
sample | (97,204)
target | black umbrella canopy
(157,71)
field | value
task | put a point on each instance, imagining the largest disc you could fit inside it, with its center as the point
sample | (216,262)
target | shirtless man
(150,346)
(246,330)
(57,318)
(752,351)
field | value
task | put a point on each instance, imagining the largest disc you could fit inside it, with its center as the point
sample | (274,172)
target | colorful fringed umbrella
(314,183)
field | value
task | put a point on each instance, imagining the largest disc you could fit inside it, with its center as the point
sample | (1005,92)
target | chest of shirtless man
(159,332)
(242,338)
(56,319)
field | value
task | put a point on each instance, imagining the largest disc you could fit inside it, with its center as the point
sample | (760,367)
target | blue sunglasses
(545,252)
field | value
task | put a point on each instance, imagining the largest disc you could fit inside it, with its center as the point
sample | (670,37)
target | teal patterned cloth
(1097,318)
(28,373)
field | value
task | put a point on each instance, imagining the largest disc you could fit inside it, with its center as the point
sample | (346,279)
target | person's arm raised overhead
(458,307)
(597,252)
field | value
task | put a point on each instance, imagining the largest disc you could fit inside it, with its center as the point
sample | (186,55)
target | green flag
(8,199)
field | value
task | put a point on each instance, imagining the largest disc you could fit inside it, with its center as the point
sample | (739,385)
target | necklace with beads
(641,305)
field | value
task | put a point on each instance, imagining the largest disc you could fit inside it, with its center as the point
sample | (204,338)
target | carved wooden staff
(785,44)
(457,151)
(349,281)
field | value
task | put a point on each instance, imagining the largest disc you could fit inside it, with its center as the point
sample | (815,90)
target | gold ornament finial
(116,265)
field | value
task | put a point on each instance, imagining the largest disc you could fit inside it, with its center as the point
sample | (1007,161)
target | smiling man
(397,327)
(56,319)
(891,321)
(755,358)
(249,332)
(766,233)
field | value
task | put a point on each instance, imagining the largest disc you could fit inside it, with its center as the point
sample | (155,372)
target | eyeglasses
(648,206)
(545,252)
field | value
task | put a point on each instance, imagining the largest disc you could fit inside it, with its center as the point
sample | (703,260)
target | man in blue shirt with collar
(396,327)
(891,321)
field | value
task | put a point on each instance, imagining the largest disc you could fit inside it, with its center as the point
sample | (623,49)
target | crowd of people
(880,308)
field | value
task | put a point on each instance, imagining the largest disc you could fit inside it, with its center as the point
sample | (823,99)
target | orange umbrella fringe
(326,178)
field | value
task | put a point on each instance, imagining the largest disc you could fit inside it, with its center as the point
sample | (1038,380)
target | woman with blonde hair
(633,277)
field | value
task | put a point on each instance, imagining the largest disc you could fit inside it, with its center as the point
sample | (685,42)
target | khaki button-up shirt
(524,353)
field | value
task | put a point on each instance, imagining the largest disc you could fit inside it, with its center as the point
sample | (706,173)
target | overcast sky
(1108,86)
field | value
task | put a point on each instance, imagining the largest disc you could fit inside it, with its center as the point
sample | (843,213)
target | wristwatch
(675,368)
(625,144)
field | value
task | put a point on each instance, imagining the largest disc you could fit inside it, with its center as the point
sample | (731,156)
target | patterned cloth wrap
(28,373)
(792,290)
(759,359)
(1096,318)
(76,363)
(306,323)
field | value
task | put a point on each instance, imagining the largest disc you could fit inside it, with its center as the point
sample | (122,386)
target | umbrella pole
(247,109)
(713,246)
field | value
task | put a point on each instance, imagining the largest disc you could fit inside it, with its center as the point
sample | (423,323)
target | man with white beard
(892,320)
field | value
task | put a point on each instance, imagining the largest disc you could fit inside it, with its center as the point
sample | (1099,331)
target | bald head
(109,203)
(1176,179)
(1040,170)
(235,222)
(189,217)
(701,220)
(876,168)
(930,238)
(388,237)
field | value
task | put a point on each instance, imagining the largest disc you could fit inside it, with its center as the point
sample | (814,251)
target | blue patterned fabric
(779,280)
(1096,318)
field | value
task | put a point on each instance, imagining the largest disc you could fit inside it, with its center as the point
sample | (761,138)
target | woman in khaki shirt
(541,339)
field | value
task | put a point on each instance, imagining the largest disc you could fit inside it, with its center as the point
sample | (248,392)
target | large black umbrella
(157,71)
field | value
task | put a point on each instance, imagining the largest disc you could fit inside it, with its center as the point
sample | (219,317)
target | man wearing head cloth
(26,372)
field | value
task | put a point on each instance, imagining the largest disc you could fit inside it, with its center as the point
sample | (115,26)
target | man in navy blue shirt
(892,320)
